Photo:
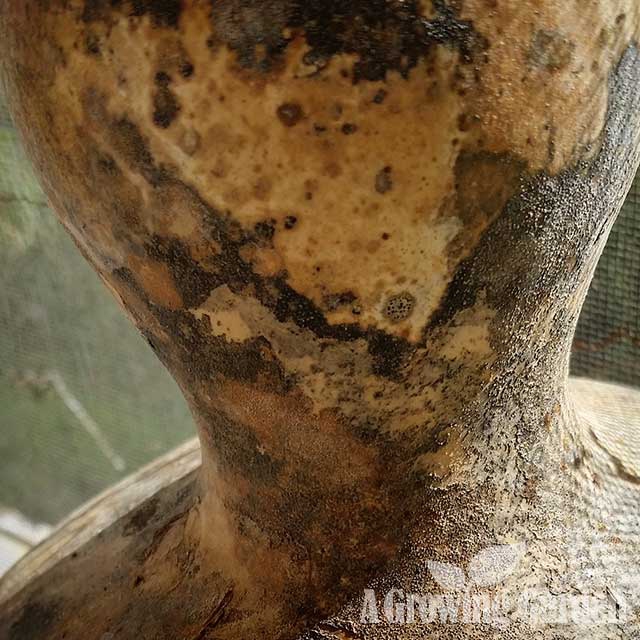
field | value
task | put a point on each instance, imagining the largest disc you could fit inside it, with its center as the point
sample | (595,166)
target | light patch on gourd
(546,78)
(441,464)
(319,166)
(226,323)
(469,334)
(312,146)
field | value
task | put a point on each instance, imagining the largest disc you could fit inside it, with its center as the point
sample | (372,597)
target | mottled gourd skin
(358,234)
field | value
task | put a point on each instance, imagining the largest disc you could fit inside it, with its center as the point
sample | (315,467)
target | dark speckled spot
(383,181)
(186,70)
(520,252)
(165,13)
(290,114)
(132,147)
(550,50)
(399,307)
(92,44)
(381,94)
(162,79)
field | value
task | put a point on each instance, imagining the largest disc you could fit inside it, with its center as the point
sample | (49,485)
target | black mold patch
(389,354)
(97,9)
(104,163)
(265,229)
(165,107)
(193,282)
(383,35)
(129,145)
(253,29)
(141,517)
(238,449)
(36,618)
(132,145)
(202,356)
(164,13)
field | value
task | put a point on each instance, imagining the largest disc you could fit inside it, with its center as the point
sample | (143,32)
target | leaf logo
(448,576)
(488,568)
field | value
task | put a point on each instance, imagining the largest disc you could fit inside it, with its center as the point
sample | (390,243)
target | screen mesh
(607,341)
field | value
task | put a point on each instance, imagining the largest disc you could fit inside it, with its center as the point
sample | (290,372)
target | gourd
(358,234)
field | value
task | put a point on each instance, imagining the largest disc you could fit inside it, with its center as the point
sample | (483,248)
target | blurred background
(83,399)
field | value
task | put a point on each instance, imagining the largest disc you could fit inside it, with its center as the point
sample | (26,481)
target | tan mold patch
(156,280)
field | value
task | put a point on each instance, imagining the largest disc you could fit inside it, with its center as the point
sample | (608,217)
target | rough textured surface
(358,235)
